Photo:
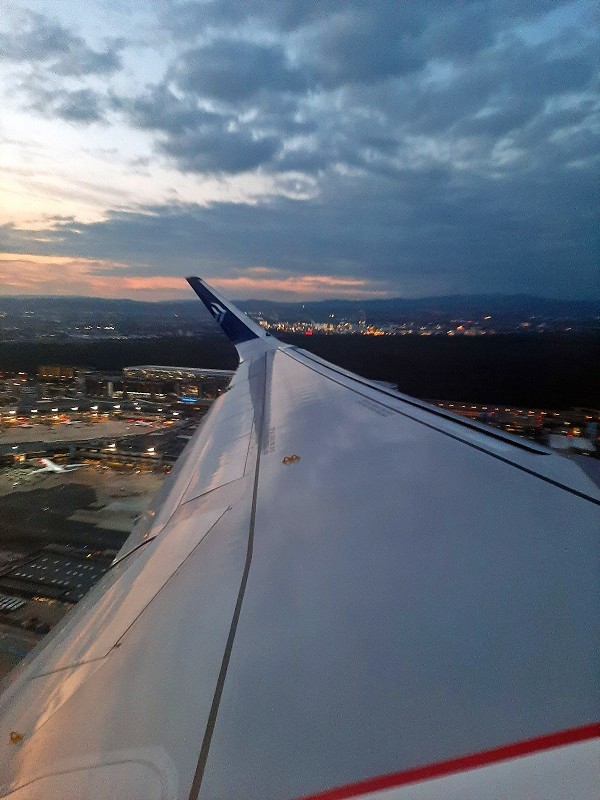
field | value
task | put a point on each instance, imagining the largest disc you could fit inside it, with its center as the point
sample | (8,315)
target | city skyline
(297,151)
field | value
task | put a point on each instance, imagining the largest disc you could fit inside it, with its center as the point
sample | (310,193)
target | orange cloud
(106,286)
(64,275)
(85,277)
(280,285)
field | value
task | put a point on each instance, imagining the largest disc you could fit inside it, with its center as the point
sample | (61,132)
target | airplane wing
(339,592)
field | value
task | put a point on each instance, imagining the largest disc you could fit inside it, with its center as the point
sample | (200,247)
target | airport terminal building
(157,383)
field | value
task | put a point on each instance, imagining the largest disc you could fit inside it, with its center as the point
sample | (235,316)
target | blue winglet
(235,324)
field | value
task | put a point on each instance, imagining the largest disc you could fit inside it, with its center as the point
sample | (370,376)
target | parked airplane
(340,592)
(52,466)
(26,474)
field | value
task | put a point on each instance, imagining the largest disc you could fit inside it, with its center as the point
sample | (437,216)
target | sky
(300,149)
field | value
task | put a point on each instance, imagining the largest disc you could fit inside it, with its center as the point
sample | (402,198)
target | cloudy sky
(299,148)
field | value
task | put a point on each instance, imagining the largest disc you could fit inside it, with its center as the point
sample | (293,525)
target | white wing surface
(340,592)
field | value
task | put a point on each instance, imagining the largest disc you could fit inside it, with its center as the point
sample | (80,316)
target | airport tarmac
(15,643)
(78,431)
(121,497)
(92,502)
(92,509)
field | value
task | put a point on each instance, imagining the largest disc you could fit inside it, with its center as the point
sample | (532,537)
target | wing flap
(124,600)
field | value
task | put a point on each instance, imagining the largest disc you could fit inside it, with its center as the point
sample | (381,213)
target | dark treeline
(212,352)
(554,371)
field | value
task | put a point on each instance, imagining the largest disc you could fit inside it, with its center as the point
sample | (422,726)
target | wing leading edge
(340,584)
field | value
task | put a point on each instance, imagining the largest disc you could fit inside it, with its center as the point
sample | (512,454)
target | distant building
(178,373)
(59,372)
(157,383)
(105,385)
(57,572)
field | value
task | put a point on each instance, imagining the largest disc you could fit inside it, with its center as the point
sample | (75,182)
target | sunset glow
(375,150)
(81,277)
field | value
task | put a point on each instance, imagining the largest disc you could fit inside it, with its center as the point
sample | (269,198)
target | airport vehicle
(341,591)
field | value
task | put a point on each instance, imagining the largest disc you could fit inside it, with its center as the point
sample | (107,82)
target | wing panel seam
(214,709)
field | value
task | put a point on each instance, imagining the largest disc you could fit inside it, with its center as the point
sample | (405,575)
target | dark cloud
(427,230)
(80,106)
(454,144)
(188,17)
(460,30)
(212,148)
(161,110)
(362,46)
(196,139)
(232,70)
(366,86)
(39,40)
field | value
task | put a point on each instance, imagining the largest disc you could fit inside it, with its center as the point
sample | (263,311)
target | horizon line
(462,295)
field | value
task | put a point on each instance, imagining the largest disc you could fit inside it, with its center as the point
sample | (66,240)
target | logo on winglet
(218,312)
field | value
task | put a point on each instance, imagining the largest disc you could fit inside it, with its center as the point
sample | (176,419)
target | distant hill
(462,306)
(397,308)
(61,306)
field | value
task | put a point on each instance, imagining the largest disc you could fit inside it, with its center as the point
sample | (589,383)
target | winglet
(235,324)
